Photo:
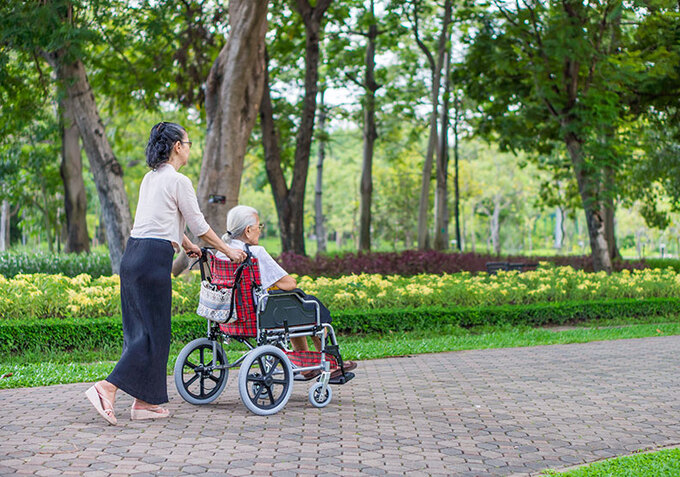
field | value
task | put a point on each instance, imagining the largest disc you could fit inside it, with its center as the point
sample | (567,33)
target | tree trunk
(592,205)
(108,174)
(370,135)
(75,199)
(320,229)
(496,225)
(272,160)
(558,231)
(530,233)
(433,142)
(473,235)
(441,203)
(290,201)
(610,216)
(233,95)
(456,178)
(610,230)
(638,242)
(4,226)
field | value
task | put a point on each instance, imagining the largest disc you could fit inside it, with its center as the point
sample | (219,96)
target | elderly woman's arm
(286,283)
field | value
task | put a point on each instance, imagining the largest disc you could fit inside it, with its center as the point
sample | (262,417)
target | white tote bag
(216,304)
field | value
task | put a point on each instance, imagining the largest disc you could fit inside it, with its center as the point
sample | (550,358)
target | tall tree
(441,195)
(456,170)
(107,172)
(652,178)
(57,36)
(233,95)
(369,86)
(433,148)
(319,226)
(290,200)
(550,69)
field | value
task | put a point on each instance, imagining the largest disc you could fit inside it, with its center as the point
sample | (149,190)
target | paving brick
(507,411)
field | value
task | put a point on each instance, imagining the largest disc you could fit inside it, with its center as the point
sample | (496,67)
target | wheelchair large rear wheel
(265,380)
(197,381)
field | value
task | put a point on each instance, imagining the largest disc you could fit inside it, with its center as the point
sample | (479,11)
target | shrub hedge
(414,262)
(86,333)
(405,263)
(94,264)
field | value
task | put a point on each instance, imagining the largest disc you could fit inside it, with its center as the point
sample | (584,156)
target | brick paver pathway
(488,412)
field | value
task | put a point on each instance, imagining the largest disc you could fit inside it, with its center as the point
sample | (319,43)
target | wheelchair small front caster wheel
(316,398)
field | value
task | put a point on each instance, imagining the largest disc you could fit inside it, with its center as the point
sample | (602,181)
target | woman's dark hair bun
(161,141)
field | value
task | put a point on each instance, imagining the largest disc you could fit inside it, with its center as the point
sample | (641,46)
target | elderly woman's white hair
(238,218)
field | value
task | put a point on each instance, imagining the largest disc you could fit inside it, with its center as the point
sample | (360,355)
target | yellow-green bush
(511,288)
(58,296)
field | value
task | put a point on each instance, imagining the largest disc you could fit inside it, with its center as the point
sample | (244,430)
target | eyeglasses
(187,142)
(259,226)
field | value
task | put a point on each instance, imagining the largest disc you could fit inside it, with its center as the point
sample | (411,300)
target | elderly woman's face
(253,232)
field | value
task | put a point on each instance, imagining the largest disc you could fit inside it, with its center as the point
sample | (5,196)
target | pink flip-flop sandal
(99,401)
(151,413)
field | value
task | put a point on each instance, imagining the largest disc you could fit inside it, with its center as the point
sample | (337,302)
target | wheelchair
(266,320)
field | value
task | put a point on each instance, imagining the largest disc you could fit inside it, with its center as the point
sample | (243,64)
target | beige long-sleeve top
(167,204)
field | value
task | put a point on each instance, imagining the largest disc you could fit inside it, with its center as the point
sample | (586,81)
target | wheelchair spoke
(190,364)
(278,381)
(272,370)
(263,370)
(258,393)
(213,378)
(192,380)
(255,378)
(271,395)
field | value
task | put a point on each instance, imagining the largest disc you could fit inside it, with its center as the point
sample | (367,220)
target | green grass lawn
(665,463)
(31,368)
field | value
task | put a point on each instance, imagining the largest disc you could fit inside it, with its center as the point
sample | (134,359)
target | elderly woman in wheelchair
(266,313)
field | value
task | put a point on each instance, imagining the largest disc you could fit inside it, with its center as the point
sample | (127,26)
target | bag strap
(237,278)
(202,260)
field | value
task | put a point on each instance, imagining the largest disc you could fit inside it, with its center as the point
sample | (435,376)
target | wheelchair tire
(317,399)
(196,382)
(265,380)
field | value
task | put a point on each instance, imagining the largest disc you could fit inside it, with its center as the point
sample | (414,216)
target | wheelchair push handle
(203,260)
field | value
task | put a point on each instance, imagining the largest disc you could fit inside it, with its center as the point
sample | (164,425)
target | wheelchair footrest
(342,379)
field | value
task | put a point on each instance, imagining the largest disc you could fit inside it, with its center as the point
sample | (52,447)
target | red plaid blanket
(302,359)
(223,275)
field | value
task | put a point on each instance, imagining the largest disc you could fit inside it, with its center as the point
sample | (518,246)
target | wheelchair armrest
(297,291)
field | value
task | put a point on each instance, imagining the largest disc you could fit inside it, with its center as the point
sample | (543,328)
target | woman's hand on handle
(235,255)
(191,249)
(213,240)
